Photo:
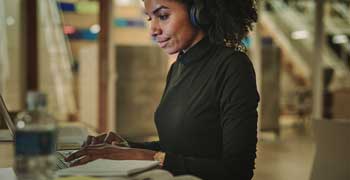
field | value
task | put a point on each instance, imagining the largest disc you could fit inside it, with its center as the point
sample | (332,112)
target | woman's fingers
(99,139)
(111,137)
(83,160)
(115,143)
(76,155)
(94,140)
(107,151)
(106,138)
(88,141)
(91,150)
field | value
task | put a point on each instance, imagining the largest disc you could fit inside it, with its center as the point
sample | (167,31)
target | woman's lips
(163,43)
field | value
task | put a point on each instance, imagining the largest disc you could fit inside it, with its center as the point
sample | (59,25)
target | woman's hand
(108,151)
(106,138)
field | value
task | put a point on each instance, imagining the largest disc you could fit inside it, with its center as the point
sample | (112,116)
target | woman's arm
(153,145)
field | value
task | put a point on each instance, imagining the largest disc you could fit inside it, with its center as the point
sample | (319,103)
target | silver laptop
(6,135)
(69,138)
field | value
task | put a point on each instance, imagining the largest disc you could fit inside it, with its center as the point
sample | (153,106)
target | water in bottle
(35,140)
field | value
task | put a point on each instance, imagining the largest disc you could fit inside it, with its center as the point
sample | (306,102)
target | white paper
(7,173)
(104,167)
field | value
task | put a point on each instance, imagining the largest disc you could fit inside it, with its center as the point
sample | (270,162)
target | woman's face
(170,25)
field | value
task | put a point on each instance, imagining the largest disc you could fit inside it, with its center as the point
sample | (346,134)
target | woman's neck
(199,36)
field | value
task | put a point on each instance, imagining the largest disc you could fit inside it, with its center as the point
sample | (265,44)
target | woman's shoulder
(231,58)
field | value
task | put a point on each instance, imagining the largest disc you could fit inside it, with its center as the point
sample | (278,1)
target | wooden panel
(141,79)
(88,86)
(341,104)
(31,43)
(270,87)
(104,54)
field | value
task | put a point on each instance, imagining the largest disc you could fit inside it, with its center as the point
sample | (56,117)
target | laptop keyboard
(60,162)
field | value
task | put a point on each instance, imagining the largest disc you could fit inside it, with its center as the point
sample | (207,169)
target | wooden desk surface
(7,157)
(6,154)
(7,160)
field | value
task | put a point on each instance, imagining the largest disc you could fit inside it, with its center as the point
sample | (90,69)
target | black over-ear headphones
(198,14)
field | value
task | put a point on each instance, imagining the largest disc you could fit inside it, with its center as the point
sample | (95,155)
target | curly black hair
(230,20)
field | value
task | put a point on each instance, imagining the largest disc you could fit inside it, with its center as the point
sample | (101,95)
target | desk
(7,156)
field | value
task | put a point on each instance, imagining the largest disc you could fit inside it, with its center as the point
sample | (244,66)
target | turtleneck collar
(196,52)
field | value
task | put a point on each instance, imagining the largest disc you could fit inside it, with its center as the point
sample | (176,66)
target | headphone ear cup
(199,18)
(194,16)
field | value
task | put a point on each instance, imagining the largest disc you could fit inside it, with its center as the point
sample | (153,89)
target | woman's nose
(155,29)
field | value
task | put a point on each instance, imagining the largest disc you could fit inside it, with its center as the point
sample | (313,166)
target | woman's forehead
(152,5)
(157,2)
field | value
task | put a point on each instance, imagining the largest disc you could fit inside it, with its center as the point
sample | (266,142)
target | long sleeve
(153,145)
(237,102)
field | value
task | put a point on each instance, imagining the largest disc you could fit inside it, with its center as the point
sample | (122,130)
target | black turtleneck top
(207,117)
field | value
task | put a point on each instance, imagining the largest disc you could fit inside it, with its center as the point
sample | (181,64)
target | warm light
(340,39)
(123,2)
(302,34)
(95,29)
(10,20)
(20,124)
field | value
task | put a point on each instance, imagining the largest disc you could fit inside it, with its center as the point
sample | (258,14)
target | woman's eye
(163,17)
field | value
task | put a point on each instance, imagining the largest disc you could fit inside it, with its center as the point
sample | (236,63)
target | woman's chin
(170,51)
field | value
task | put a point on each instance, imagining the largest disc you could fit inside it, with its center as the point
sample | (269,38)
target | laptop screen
(4,115)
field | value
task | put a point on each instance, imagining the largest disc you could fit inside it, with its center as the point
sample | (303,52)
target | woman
(207,118)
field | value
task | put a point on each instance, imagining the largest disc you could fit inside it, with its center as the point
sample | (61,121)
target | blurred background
(100,68)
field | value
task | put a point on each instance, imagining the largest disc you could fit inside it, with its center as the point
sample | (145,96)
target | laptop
(69,138)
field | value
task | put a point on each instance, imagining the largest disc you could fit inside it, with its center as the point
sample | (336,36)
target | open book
(105,167)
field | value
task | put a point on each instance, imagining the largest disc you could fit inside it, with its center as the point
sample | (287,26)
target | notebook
(106,167)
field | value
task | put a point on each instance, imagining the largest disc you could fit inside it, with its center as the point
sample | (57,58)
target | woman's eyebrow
(155,11)
(158,9)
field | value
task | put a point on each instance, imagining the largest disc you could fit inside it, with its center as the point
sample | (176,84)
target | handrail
(288,21)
